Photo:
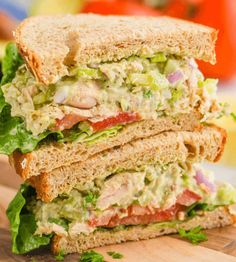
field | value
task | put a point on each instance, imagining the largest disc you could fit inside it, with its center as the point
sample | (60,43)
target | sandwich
(107,120)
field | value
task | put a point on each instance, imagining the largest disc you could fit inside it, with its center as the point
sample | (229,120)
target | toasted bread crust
(50,156)
(49,44)
(21,163)
(220,217)
(166,147)
(222,146)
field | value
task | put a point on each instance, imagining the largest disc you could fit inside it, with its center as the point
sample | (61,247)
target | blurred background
(220,14)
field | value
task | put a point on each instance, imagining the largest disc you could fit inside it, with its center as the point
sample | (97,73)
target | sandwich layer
(108,94)
(163,148)
(148,76)
(220,217)
(50,156)
(150,196)
(50,45)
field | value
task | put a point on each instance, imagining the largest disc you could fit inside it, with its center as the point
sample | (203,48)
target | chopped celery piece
(226,194)
(39,98)
(171,66)
(89,73)
(85,127)
(153,79)
(176,95)
(210,85)
(158,58)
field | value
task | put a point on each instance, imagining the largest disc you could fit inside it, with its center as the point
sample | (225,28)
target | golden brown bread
(206,144)
(52,44)
(220,217)
(50,156)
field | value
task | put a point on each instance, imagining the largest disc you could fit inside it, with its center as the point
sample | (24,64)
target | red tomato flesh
(68,121)
(187,198)
(148,216)
(137,215)
(121,118)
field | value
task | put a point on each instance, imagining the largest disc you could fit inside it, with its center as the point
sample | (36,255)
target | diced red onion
(201,179)
(174,77)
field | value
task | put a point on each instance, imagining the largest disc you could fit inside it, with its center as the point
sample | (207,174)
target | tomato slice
(135,214)
(121,118)
(68,121)
(147,216)
(187,198)
(157,216)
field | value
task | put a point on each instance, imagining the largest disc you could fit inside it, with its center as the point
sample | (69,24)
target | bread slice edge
(50,156)
(93,39)
(164,148)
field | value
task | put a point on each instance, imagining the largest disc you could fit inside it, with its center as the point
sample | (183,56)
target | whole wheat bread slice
(50,156)
(163,148)
(50,44)
(218,218)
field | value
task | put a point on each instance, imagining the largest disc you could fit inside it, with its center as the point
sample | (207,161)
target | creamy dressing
(152,186)
(132,85)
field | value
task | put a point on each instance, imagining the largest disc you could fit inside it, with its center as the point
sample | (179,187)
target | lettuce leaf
(23,224)
(87,137)
(194,208)
(10,63)
(13,134)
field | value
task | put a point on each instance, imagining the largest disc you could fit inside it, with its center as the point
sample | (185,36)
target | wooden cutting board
(221,245)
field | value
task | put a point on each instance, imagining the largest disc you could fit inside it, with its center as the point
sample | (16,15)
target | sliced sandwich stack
(107,120)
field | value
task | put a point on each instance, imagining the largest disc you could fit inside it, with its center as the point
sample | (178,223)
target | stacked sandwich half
(106,119)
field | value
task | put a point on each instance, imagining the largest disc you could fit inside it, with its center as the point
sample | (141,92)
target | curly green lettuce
(10,64)
(13,134)
(23,224)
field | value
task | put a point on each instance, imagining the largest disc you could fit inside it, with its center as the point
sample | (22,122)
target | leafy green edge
(23,223)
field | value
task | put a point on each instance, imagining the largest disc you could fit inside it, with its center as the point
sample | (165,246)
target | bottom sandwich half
(142,203)
(219,217)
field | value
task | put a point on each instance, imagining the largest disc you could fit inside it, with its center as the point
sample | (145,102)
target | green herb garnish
(194,235)
(91,256)
(60,256)
(115,255)
(91,198)
(147,94)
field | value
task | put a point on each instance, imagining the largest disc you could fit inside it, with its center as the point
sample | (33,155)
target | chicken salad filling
(119,92)
(151,194)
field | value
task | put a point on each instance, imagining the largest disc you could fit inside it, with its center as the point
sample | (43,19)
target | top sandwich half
(84,77)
